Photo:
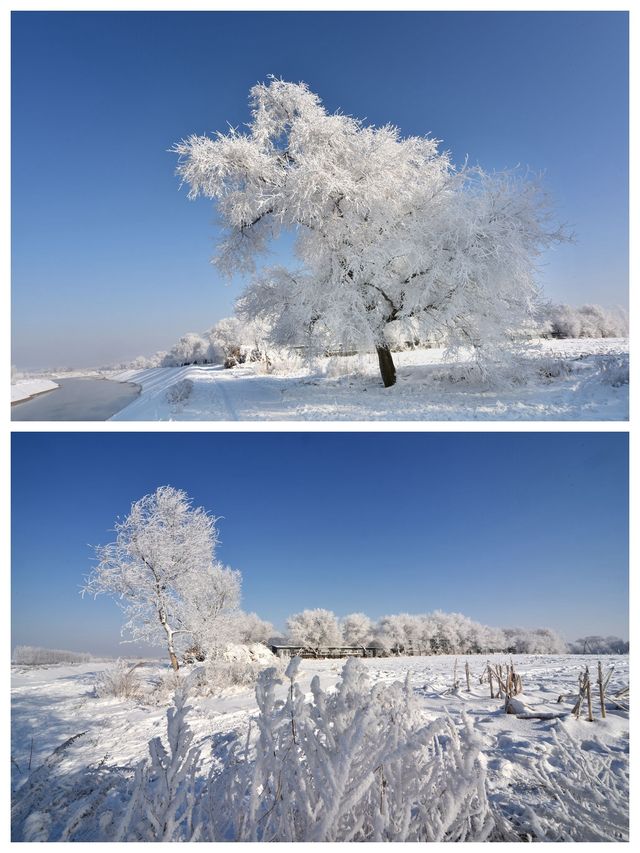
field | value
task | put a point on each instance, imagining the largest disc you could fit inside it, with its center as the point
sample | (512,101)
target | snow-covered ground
(27,388)
(525,758)
(578,379)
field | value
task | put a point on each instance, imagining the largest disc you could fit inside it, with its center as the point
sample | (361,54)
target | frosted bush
(163,688)
(337,366)
(179,391)
(220,675)
(120,682)
(614,371)
(553,368)
(359,764)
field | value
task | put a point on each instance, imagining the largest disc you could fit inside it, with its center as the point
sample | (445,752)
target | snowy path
(560,380)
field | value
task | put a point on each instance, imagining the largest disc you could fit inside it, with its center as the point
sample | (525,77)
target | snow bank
(29,388)
(253,653)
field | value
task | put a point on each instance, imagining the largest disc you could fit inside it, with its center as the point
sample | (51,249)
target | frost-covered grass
(580,379)
(559,779)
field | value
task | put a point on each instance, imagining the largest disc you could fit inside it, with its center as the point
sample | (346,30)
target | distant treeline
(30,655)
(597,645)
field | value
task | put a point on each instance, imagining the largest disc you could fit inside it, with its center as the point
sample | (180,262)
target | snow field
(579,379)
(559,779)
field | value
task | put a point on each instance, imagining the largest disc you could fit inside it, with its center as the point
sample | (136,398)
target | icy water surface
(77,400)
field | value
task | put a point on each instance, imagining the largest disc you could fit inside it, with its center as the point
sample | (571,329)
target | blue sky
(527,528)
(110,260)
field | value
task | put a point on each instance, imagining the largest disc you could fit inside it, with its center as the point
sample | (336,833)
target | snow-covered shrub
(160,689)
(361,365)
(361,763)
(611,370)
(36,656)
(553,368)
(180,391)
(232,667)
(218,676)
(168,780)
(120,681)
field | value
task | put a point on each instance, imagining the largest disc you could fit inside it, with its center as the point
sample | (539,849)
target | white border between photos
(290,426)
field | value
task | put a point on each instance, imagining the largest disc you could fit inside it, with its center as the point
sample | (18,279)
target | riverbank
(30,388)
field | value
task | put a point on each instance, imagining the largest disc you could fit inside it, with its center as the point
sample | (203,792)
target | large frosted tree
(313,629)
(162,571)
(388,230)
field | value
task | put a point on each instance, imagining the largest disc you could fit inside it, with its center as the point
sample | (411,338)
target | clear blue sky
(504,527)
(110,260)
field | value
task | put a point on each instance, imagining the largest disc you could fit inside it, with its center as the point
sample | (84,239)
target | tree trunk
(170,647)
(387,367)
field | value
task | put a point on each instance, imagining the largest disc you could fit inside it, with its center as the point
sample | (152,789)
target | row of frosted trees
(405,633)
(232,341)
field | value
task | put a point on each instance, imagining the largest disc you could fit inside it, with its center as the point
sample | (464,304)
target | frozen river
(77,400)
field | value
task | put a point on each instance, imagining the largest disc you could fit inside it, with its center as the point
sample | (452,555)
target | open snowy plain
(557,779)
(576,379)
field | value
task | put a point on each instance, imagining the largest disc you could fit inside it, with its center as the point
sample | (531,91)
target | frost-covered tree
(594,644)
(162,560)
(388,230)
(253,629)
(192,348)
(534,641)
(211,609)
(391,634)
(585,321)
(229,337)
(357,629)
(314,629)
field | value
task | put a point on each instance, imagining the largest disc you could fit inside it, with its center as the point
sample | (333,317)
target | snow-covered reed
(121,681)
